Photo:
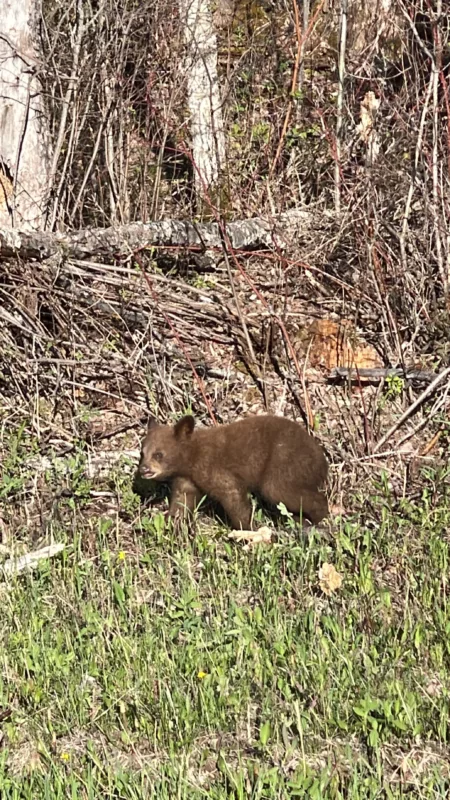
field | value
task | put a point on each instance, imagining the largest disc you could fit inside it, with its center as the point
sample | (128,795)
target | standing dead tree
(203,93)
(25,143)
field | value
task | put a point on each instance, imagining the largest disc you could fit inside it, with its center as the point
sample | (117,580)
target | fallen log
(248,234)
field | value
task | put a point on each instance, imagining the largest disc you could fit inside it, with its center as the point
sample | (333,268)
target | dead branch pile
(160,332)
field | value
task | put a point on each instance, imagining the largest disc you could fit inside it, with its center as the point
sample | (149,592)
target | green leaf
(119,593)
(264,734)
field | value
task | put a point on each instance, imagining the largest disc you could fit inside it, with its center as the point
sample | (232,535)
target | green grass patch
(144,663)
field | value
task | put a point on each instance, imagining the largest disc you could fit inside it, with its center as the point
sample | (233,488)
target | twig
(127,426)
(413,181)
(197,377)
(418,402)
(30,61)
(236,298)
(301,41)
(436,68)
(71,84)
(436,407)
(340,103)
(225,238)
(301,74)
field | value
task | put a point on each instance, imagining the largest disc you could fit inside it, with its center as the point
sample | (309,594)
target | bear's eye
(158,456)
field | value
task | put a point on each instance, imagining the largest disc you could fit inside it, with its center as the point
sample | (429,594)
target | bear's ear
(184,427)
(151,424)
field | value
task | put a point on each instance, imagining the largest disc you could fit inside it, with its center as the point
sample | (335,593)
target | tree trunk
(203,93)
(24,134)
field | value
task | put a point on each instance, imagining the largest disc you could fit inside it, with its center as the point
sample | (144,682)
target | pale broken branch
(98,464)
(28,561)
(262,536)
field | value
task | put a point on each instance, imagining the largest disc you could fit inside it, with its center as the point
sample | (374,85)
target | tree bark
(24,133)
(203,93)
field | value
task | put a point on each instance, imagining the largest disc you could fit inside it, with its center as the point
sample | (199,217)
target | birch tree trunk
(24,134)
(203,92)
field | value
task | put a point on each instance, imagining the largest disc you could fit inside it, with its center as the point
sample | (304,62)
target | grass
(142,663)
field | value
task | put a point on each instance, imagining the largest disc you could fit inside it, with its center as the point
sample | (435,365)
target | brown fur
(270,455)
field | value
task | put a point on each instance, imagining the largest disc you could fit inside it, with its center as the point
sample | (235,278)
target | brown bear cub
(272,456)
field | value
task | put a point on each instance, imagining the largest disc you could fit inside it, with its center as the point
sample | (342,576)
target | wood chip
(329,579)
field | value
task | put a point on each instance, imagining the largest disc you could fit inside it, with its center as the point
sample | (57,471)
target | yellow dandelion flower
(121,555)
(65,757)
(201,675)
